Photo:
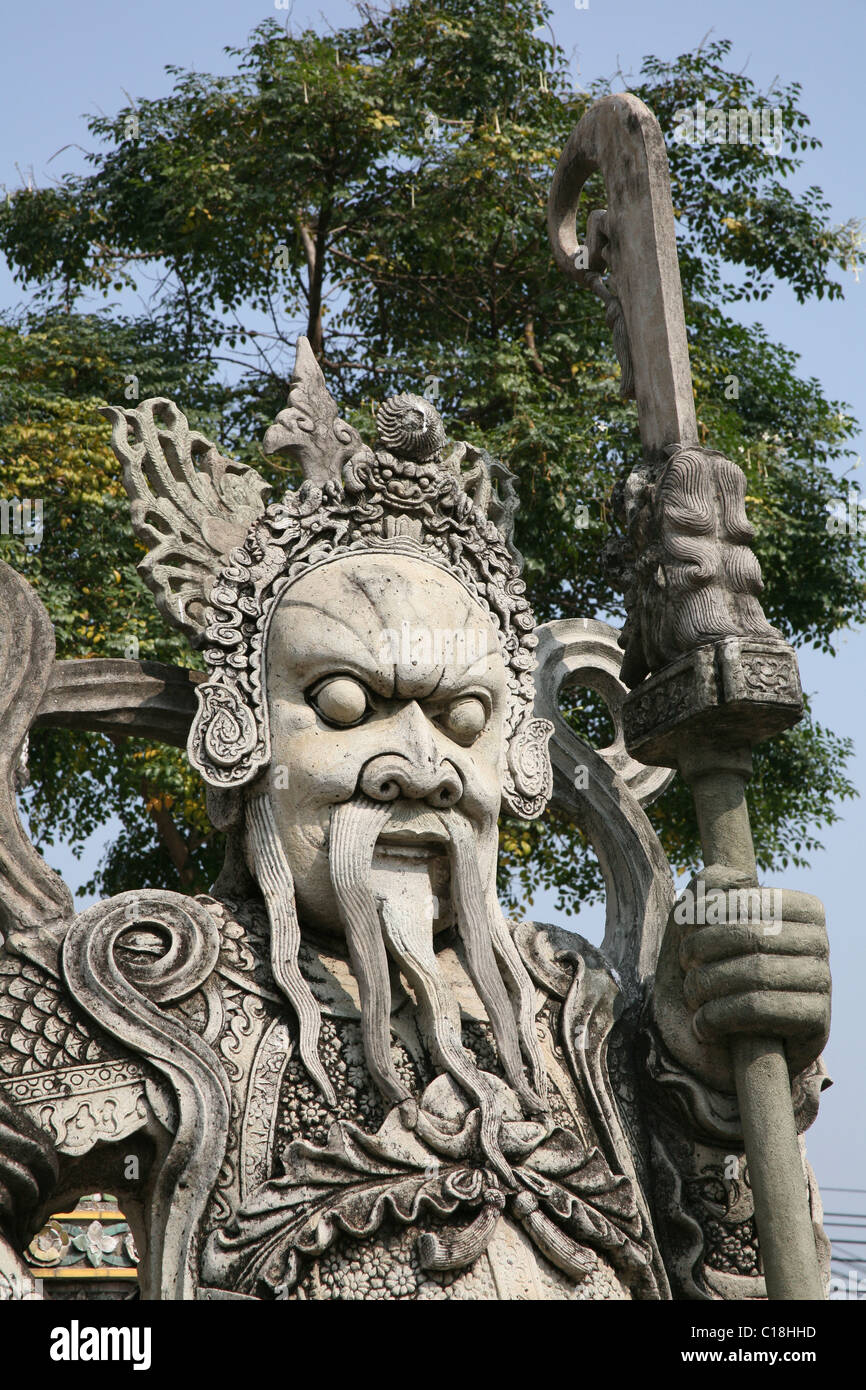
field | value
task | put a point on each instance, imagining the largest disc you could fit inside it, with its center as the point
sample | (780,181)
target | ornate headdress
(220,558)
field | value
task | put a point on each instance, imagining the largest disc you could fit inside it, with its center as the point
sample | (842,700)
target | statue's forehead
(381,610)
(376,592)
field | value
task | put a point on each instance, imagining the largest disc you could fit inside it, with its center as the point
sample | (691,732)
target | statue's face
(383,679)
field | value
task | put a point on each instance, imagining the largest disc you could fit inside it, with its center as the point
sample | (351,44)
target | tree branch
(173,842)
(529,335)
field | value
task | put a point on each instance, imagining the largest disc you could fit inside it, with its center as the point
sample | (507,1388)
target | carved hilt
(682,557)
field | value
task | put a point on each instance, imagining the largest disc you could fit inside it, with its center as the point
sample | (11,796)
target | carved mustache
(409,823)
(492,962)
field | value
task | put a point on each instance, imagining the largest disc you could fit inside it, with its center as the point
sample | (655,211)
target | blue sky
(61,63)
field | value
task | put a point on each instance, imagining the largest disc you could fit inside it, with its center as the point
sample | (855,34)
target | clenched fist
(739,960)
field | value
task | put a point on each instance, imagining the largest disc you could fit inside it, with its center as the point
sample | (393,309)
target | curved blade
(621,138)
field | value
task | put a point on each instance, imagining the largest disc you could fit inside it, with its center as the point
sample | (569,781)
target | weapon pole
(778,1182)
(710,677)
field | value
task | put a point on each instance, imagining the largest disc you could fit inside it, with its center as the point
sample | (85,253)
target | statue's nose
(412,766)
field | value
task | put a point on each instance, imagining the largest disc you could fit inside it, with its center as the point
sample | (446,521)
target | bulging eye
(341,701)
(464,719)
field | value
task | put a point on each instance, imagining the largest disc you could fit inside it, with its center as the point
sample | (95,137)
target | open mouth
(400,849)
(415,841)
(414,828)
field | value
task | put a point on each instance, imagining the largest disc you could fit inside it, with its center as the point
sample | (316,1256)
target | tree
(383,189)
(53,378)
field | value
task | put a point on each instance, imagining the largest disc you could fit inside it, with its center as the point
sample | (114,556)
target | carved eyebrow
(360,661)
(322,669)
(385,672)
(324,614)
(451,683)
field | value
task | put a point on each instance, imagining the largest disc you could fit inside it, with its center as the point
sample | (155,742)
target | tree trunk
(314,250)
(173,842)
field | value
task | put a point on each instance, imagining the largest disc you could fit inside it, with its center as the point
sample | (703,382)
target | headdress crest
(221,558)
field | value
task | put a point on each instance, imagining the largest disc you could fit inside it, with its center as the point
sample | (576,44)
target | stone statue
(344,1074)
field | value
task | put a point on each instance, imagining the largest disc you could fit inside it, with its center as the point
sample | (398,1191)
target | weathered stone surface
(636,241)
(737,691)
(344,1074)
(146,698)
(318,1122)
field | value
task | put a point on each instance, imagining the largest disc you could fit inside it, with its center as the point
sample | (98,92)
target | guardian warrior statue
(345,1074)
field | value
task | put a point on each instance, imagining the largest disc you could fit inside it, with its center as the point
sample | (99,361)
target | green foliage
(384,191)
(53,377)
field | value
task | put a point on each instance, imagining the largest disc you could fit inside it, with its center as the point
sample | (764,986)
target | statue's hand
(731,965)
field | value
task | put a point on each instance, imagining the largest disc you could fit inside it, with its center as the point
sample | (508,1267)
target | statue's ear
(528,781)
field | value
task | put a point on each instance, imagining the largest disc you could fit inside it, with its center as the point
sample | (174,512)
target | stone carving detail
(675,700)
(738,685)
(380,501)
(605,289)
(125,995)
(188,525)
(259,1122)
(610,791)
(683,561)
(764,674)
(349,1074)
(310,430)
(529,766)
(671,697)
(704,1194)
(31,893)
(358,1181)
(753,671)
(410,427)
(39,1033)
(113,1110)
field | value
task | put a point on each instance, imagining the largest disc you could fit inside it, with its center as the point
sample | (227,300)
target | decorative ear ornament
(220,559)
(528,784)
(228,733)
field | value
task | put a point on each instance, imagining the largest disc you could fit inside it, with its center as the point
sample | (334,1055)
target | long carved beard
(273,875)
(492,961)
(497,971)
